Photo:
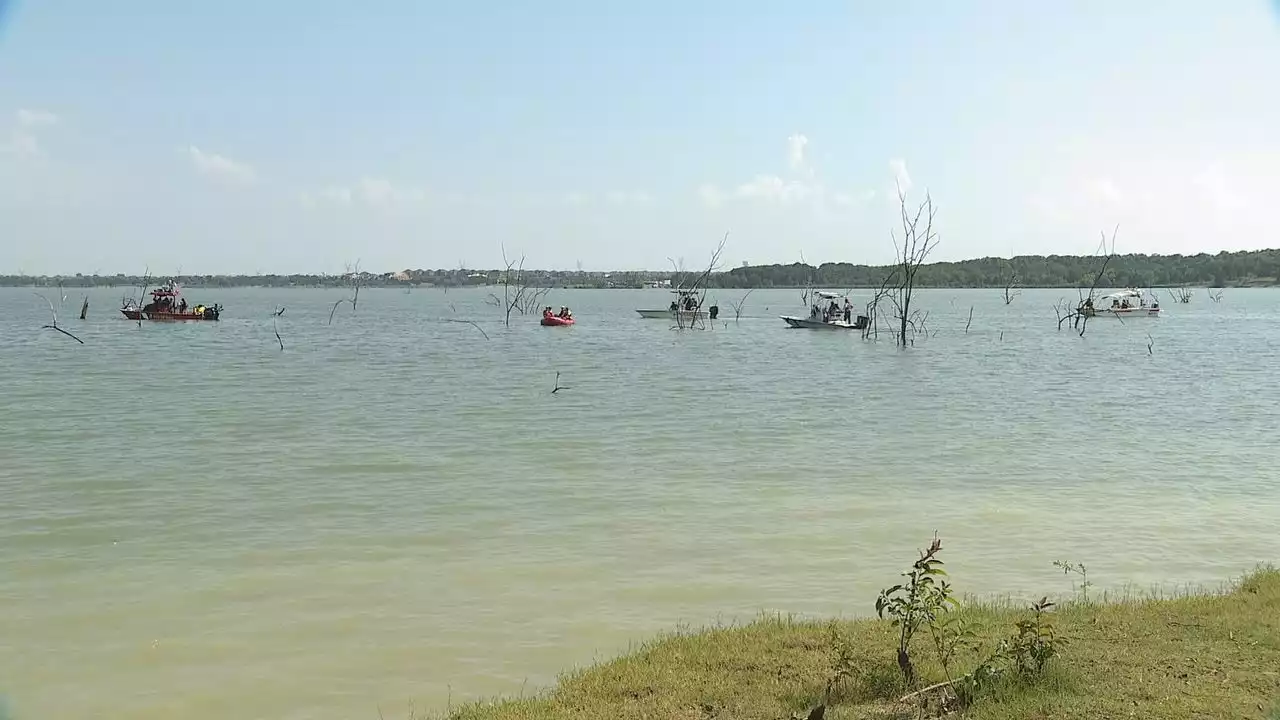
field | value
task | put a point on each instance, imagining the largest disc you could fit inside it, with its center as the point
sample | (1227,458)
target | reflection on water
(195,524)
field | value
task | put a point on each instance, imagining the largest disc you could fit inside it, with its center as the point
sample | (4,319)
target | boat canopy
(828,295)
(1122,294)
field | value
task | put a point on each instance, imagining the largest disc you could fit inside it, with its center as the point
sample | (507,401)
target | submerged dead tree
(53,324)
(275,325)
(519,295)
(738,304)
(691,291)
(912,250)
(1079,316)
(353,278)
(1011,290)
(1181,294)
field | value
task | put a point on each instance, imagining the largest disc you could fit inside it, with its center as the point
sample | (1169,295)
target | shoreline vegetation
(1199,654)
(1257,268)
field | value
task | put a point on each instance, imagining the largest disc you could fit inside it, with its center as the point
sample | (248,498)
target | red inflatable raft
(555,321)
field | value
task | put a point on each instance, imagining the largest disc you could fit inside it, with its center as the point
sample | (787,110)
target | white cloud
(901,177)
(371,192)
(772,188)
(21,136)
(577,198)
(795,150)
(1104,188)
(381,192)
(710,195)
(799,187)
(1215,187)
(623,197)
(221,167)
(36,118)
(19,143)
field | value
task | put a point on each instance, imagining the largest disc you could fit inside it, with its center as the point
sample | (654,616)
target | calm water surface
(195,524)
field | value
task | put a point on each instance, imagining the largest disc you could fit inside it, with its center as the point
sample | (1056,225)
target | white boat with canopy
(1123,304)
(827,313)
(683,309)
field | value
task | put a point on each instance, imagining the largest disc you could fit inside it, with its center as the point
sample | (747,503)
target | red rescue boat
(167,304)
(556,321)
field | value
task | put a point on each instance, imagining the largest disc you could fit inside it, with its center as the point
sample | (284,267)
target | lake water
(395,509)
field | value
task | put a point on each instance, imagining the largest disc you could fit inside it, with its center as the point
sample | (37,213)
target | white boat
(1124,304)
(683,309)
(822,319)
(670,314)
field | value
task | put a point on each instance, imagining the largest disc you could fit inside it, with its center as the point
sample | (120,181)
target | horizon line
(724,270)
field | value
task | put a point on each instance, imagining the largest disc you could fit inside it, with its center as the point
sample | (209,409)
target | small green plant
(844,662)
(949,633)
(1027,653)
(1079,569)
(919,601)
(1035,643)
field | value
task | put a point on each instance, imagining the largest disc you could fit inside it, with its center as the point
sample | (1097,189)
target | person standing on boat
(848,310)
(182,305)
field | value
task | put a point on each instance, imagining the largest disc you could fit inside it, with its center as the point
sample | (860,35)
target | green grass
(1198,656)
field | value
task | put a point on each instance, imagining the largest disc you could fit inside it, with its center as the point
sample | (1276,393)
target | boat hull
(556,322)
(1126,314)
(670,314)
(168,316)
(810,324)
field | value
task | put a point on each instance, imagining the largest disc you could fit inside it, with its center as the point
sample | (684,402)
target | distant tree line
(1225,269)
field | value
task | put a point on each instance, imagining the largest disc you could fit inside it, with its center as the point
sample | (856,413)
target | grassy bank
(1199,656)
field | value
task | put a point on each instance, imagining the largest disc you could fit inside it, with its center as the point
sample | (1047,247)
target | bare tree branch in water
(275,325)
(518,295)
(969,321)
(472,323)
(1010,285)
(558,386)
(1150,344)
(1215,296)
(142,294)
(874,313)
(693,292)
(84,308)
(353,276)
(1181,295)
(53,325)
(1084,310)
(737,306)
(918,240)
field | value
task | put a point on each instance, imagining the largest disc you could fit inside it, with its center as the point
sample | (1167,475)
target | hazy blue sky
(285,135)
